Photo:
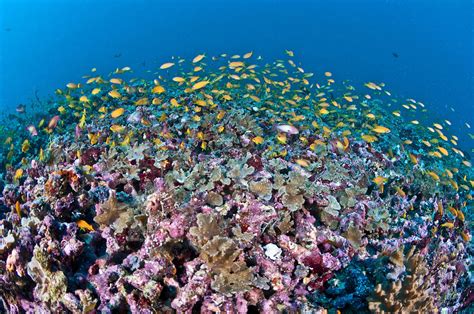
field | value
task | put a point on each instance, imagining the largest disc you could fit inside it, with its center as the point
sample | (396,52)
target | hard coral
(412,293)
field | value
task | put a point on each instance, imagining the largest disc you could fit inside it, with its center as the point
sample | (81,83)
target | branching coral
(412,293)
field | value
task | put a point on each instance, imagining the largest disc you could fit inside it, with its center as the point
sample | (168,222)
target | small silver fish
(135,117)
(32,130)
(286,128)
(20,108)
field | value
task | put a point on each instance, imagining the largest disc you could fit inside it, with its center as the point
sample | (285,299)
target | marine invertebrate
(51,285)
(411,293)
(262,188)
(114,214)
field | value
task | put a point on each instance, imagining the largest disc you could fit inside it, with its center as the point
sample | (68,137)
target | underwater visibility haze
(237,157)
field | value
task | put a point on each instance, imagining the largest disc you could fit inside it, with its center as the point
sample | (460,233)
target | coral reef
(237,189)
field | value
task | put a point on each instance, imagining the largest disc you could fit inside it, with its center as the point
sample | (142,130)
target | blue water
(44,44)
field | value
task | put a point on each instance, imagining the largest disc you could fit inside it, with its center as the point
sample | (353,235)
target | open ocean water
(420,49)
(236,156)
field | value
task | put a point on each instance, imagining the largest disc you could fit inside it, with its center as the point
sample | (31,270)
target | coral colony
(229,184)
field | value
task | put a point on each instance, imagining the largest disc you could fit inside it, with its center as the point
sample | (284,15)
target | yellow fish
(323,111)
(433,175)
(158,89)
(82,121)
(443,150)
(94,138)
(449,225)
(166,65)
(116,81)
(453,211)
(236,64)
(174,102)
(437,154)
(254,98)
(142,101)
(302,162)
(281,137)
(372,86)
(440,208)
(25,146)
(369,138)
(247,55)
(84,99)
(200,85)
(465,236)
(117,113)
(346,143)
(198,58)
(179,79)
(381,129)
(413,159)
(400,192)
(18,174)
(114,94)
(117,128)
(426,143)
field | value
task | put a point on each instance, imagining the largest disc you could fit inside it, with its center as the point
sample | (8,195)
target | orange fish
(84,225)
(413,159)
(18,208)
(53,122)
